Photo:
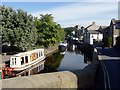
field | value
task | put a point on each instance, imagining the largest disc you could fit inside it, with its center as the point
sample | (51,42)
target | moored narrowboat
(62,47)
(27,59)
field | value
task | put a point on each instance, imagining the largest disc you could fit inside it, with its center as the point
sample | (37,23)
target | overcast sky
(81,12)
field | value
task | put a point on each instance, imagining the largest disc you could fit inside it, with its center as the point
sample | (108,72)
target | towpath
(109,70)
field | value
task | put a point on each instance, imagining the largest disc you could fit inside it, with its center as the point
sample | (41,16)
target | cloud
(76,13)
(83,13)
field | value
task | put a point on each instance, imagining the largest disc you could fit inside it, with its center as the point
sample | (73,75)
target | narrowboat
(62,47)
(27,59)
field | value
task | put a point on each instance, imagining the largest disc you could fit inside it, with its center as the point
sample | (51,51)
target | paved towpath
(109,70)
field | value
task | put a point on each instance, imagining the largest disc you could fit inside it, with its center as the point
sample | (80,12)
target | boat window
(22,60)
(26,59)
(15,61)
(39,54)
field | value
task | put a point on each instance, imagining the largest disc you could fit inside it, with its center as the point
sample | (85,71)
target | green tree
(18,28)
(107,41)
(25,31)
(69,30)
(49,32)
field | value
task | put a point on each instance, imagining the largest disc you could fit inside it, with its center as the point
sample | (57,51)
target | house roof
(104,27)
(113,21)
(93,26)
(94,31)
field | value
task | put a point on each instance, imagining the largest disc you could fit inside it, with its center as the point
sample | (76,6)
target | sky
(70,13)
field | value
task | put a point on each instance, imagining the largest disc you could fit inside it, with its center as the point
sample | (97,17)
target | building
(111,31)
(114,29)
(93,26)
(93,36)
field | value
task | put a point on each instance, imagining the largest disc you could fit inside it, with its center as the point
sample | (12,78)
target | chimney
(93,23)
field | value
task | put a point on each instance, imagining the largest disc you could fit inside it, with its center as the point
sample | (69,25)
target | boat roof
(27,53)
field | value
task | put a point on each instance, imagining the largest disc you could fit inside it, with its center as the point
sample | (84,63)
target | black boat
(62,47)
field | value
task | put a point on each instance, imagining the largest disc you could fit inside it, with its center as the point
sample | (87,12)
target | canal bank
(51,50)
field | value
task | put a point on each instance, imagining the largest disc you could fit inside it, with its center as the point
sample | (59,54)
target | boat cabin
(26,59)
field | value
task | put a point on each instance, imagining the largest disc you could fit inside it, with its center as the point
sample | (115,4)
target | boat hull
(62,48)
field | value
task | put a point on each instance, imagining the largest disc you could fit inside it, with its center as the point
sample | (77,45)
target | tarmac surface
(108,76)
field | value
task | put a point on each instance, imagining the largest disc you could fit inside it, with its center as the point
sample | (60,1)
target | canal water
(71,60)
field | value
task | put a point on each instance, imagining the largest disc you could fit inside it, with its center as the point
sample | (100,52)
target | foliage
(69,30)
(49,32)
(25,31)
(18,28)
(108,41)
(53,61)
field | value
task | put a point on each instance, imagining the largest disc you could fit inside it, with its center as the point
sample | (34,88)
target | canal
(68,61)
(71,60)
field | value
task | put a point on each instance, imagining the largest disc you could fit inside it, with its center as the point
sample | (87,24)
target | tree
(25,31)
(18,28)
(49,32)
(107,41)
(69,30)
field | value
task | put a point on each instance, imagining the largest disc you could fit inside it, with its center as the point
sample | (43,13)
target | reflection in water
(53,62)
(32,70)
(71,48)
(71,60)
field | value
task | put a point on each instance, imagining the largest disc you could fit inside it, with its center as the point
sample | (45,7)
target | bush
(109,41)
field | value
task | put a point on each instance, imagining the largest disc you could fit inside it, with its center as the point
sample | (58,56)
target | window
(117,26)
(92,36)
(15,61)
(97,36)
(22,60)
(39,54)
(26,59)
(12,61)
